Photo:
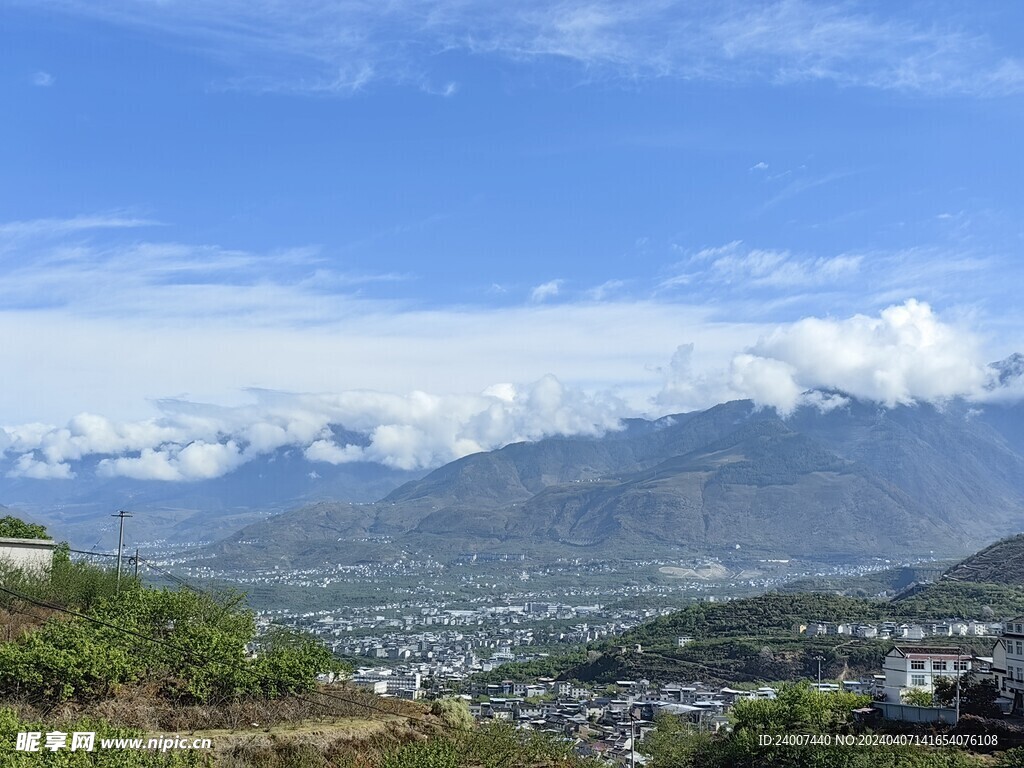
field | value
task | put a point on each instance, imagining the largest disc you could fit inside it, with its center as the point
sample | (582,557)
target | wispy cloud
(137,318)
(800,185)
(735,264)
(42,79)
(545,291)
(75,264)
(39,228)
(330,47)
(606,290)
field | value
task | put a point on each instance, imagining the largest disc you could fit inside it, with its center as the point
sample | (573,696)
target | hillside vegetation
(756,640)
(956,598)
(1000,563)
(79,654)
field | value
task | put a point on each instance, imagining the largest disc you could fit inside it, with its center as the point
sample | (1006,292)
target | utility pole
(120,546)
(632,738)
(959,671)
(819,659)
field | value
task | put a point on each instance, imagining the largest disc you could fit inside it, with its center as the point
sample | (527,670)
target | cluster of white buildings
(908,667)
(897,631)
(608,726)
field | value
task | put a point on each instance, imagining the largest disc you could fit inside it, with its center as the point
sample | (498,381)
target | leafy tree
(977,697)
(797,709)
(962,598)
(917,697)
(75,585)
(11,725)
(288,661)
(673,742)
(1013,758)
(15,528)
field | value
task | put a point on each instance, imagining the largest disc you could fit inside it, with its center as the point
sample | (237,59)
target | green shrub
(192,646)
(11,725)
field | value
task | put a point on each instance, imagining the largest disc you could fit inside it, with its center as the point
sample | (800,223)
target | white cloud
(331,453)
(42,79)
(691,383)
(197,442)
(151,464)
(766,381)
(546,291)
(904,354)
(241,332)
(12,231)
(28,467)
(198,460)
(606,289)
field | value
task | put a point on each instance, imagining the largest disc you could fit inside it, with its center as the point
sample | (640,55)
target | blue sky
(652,204)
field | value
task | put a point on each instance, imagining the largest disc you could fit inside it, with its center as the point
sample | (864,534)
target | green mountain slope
(1000,563)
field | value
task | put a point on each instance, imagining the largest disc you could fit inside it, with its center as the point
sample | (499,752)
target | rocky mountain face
(859,480)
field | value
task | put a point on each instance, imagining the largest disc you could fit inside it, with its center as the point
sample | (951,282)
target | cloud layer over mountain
(192,441)
(902,355)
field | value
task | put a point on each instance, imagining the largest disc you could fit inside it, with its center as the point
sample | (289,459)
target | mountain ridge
(859,480)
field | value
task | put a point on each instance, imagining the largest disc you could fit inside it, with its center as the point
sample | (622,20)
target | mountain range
(79,510)
(855,481)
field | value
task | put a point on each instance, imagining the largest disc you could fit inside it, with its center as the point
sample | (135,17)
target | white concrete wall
(27,554)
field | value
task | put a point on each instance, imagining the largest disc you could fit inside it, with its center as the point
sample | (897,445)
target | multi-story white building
(918,667)
(1012,686)
(405,686)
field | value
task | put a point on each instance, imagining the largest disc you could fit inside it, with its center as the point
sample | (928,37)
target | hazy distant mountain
(1010,369)
(859,480)
(80,509)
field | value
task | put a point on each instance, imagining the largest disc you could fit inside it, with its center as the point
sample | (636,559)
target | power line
(167,574)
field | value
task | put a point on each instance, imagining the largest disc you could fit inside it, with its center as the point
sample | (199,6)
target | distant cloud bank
(193,441)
